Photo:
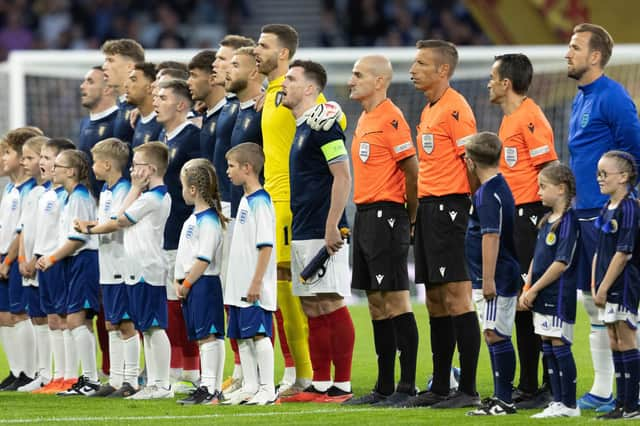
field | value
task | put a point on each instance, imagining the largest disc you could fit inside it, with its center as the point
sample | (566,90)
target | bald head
(378,66)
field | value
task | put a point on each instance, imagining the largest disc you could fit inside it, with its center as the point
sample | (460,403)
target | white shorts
(479,302)
(590,307)
(226,245)
(334,278)
(170,263)
(500,315)
(552,326)
(613,312)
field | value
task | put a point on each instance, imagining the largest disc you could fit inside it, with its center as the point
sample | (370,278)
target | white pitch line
(185,417)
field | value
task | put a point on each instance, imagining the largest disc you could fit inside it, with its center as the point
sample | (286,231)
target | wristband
(21,259)
(7,261)
(526,287)
(186,283)
(52,259)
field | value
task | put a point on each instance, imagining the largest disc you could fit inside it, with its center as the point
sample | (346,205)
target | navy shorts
(148,305)
(116,303)
(4,296)
(82,276)
(34,307)
(53,289)
(586,247)
(17,296)
(245,323)
(203,309)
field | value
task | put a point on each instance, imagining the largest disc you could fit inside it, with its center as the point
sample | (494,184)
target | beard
(237,86)
(576,73)
(268,64)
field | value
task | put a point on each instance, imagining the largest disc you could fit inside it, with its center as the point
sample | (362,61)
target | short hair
(59,144)
(518,69)
(248,153)
(202,61)
(35,143)
(237,41)
(125,47)
(312,71)
(177,73)
(178,86)
(16,138)
(600,40)
(286,34)
(155,153)
(113,149)
(446,50)
(484,148)
(148,69)
(97,68)
(171,64)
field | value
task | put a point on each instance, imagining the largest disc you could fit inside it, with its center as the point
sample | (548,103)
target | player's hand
(333,239)
(22,268)
(30,268)
(140,178)
(184,291)
(324,116)
(44,263)
(527,298)
(489,289)
(83,226)
(4,271)
(200,107)
(178,289)
(253,295)
(197,121)
(600,298)
(133,116)
(259,101)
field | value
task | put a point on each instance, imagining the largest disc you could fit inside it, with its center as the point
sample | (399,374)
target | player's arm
(551,275)
(490,247)
(65,250)
(93,227)
(264,255)
(12,255)
(624,123)
(339,195)
(527,286)
(409,166)
(615,268)
(196,271)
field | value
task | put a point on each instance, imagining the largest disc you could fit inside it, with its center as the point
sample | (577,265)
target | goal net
(41,88)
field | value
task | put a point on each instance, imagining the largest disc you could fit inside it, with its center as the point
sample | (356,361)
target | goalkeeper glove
(324,116)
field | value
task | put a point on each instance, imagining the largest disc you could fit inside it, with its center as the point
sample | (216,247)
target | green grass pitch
(16,408)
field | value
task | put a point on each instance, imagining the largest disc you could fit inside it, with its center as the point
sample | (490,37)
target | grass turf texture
(19,408)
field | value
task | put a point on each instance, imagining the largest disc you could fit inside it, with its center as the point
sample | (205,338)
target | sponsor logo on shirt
(363,151)
(584,120)
(427,143)
(510,155)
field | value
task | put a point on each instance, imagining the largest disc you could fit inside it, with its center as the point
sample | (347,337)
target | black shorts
(381,240)
(441,226)
(525,231)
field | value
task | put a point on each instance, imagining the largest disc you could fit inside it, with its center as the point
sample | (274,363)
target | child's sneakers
(589,401)
(493,407)
(557,409)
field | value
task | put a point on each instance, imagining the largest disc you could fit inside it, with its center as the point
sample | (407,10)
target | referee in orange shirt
(527,147)
(443,190)
(385,174)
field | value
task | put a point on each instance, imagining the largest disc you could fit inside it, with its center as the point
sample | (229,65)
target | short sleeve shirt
(200,239)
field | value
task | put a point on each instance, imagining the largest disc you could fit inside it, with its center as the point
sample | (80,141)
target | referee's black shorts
(528,216)
(441,226)
(381,240)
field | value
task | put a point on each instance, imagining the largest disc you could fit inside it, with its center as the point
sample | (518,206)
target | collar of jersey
(102,114)
(148,118)
(216,107)
(177,130)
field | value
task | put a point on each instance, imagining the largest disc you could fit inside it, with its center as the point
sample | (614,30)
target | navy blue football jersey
(224,129)
(208,130)
(147,130)
(93,129)
(122,126)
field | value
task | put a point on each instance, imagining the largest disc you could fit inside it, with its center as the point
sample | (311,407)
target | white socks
(25,346)
(86,349)
(264,356)
(116,358)
(131,360)
(289,375)
(220,353)
(192,376)
(70,356)
(7,336)
(246,348)
(602,362)
(43,350)
(158,349)
(209,365)
(57,347)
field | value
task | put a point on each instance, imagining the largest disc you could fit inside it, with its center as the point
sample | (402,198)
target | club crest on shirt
(127,114)
(300,141)
(101,130)
(363,151)
(172,153)
(614,226)
(510,155)
(394,123)
(427,143)
(246,123)
(107,206)
(584,120)
(456,115)
(189,234)
(242,216)
(212,128)
(279,97)
(147,137)
(551,239)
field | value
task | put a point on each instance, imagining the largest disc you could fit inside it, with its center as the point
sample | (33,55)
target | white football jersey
(201,238)
(144,239)
(48,220)
(29,226)
(112,258)
(10,209)
(79,205)
(254,228)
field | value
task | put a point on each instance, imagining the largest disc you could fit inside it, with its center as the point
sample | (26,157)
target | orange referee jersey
(442,132)
(382,138)
(527,143)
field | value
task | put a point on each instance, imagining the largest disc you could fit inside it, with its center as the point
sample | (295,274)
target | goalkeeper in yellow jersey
(276,47)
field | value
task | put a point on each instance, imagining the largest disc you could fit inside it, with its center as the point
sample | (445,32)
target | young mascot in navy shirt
(615,285)
(491,258)
(550,288)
